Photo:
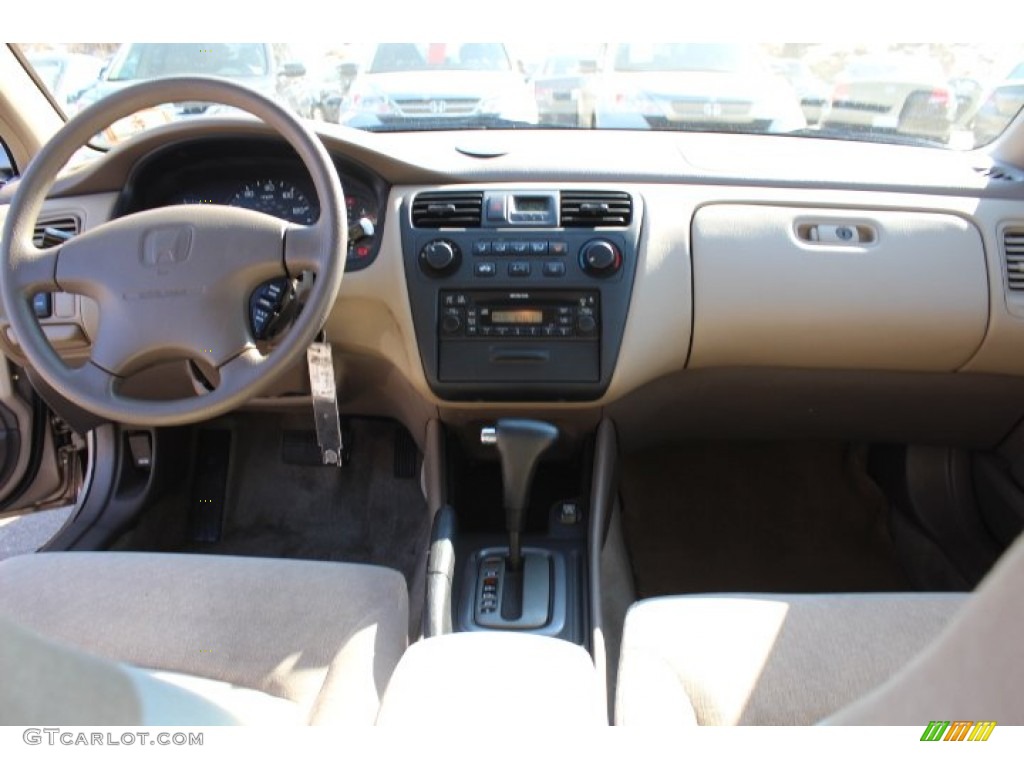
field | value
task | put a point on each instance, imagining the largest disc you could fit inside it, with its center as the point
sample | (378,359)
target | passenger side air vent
(447,209)
(997,173)
(1013,252)
(49,232)
(596,209)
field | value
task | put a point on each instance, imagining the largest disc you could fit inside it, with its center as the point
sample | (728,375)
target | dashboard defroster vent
(50,232)
(447,209)
(1013,252)
(596,209)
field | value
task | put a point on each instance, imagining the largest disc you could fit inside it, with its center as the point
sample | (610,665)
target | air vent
(996,173)
(596,209)
(49,232)
(1013,250)
(447,209)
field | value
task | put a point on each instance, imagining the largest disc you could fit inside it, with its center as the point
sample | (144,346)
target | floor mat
(359,513)
(759,517)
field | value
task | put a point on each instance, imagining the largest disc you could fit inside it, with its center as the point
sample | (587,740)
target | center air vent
(447,209)
(1013,250)
(596,209)
(50,232)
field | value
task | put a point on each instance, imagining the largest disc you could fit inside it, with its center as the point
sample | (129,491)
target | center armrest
(493,677)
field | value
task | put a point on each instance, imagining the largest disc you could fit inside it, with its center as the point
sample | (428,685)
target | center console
(520,294)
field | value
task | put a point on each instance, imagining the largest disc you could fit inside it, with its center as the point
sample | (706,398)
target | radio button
(520,247)
(499,247)
(485,269)
(558,248)
(451,323)
(481,247)
(554,269)
(519,269)
(538,248)
(586,324)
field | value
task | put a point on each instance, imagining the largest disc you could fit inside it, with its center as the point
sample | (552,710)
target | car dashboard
(713,285)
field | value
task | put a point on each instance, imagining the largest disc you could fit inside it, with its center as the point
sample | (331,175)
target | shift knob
(520,443)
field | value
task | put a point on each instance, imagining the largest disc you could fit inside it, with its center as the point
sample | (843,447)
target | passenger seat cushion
(326,636)
(973,671)
(766,659)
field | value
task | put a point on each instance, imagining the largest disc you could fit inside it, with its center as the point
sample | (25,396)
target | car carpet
(359,513)
(369,511)
(756,517)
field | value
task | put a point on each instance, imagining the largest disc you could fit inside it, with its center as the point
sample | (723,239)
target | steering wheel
(172,283)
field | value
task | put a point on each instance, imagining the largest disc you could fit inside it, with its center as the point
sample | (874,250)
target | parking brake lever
(520,443)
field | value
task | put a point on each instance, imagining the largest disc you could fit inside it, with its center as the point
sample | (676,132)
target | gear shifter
(520,443)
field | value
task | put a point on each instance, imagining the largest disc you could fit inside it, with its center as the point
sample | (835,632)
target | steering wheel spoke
(34,270)
(304,249)
(92,378)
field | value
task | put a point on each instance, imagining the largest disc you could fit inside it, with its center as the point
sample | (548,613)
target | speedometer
(278,198)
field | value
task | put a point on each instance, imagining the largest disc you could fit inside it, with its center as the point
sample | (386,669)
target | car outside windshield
(952,95)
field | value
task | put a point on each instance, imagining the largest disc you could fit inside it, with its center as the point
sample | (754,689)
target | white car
(409,86)
(694,87)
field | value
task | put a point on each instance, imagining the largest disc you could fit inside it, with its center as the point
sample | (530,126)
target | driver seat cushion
(325,636)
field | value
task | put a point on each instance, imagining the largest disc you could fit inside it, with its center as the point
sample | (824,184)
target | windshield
(682,57)
(418,57)
(145,61)
(952,95)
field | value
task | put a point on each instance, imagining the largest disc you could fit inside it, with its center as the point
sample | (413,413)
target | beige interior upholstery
(492,681)
(973,671)
(766,659)
(899,659)
(49,683)
(325,636)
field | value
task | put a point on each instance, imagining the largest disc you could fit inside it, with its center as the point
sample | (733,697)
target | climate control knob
(440,257)
(600,258)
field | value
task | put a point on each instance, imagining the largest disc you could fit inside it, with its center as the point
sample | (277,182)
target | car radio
(519,314)
(519,294)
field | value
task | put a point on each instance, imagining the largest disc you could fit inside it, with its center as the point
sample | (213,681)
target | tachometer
(277,198)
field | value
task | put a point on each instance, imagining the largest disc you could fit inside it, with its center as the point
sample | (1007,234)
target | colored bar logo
(958,730)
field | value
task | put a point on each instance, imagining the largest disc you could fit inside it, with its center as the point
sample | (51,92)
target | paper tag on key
(325,402)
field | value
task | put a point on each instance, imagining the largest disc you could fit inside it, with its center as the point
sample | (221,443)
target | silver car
(893,93)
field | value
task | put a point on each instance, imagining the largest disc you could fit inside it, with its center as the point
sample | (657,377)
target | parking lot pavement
(27,533)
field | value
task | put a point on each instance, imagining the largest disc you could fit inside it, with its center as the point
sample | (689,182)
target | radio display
(517,316)
(531,204)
